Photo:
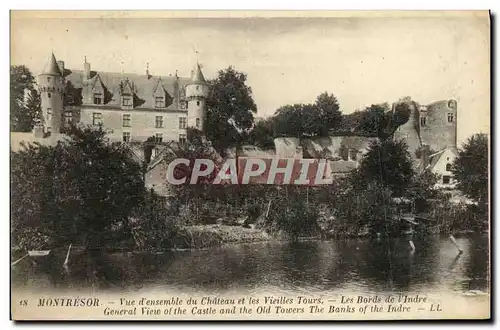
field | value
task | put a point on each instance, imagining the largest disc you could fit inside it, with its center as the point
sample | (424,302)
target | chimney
(177,94)
(60,64)
(147,70)
(86,69)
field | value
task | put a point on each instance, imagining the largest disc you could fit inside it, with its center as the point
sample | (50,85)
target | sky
(362,59)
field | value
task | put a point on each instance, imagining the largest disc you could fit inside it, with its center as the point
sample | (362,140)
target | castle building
(431,136)
(133,107)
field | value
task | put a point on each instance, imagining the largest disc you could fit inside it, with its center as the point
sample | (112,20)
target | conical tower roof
(52,67)
(197,75)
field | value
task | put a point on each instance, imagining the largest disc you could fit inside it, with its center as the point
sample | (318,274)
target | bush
(32,238)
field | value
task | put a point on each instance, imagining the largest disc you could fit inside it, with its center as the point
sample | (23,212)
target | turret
(51,88)
(196,94)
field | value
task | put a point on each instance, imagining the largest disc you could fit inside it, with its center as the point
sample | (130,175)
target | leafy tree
(307,120)
(374,121)
(24,99)
(387,162)
(331,116)
(78,189)
(289,121)
(375,209)
(262,135)
(401,115)
(230,109)
(291,214)
(421,191)
(470,168)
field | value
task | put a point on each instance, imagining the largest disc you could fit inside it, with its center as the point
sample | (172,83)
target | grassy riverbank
(203,236)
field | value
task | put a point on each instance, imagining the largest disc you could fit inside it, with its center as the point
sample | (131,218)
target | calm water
(358,265)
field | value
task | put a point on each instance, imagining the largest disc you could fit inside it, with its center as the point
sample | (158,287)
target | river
(317,266)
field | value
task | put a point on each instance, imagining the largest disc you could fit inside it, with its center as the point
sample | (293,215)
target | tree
(230,109)
(470,168)
(24,99)
(77,190)
(262,135)
(308,120)
(374,121)
(421,191)
(331,116)
(387,162)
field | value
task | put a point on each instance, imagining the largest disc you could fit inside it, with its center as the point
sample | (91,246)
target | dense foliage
(470,168)
(387,162)
(24,99)
(76,190)
(230,109)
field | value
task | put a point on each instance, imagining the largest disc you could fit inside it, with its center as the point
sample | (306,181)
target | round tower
(196,95)
(51,88)
(439,129)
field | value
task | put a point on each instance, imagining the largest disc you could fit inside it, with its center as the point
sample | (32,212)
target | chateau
(137,107)
(134,107)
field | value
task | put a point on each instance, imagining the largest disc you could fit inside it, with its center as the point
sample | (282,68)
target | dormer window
(97,98)
(159,102)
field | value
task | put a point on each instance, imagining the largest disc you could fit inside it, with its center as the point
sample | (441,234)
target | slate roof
(52,67)
(197,75)
(434,158)
(144,87)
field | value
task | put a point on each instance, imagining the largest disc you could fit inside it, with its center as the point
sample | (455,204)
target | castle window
(97,118)
(450,117)
(182,138)
(197,88)
(49,115)
(423,121)
(159,102)
(126,120)
(159,121)
(182,122)
(126,136)
(49,95)
(183,105)
(127,100)
(448,167)
(446,179)
(198,103)
(48,79)
(197,122)
(352,155)
(68,117)
(97,98)
(159,137)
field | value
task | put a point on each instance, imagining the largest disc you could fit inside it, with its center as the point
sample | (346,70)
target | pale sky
(361,60)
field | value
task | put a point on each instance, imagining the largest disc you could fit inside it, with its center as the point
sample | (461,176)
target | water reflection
(375,266)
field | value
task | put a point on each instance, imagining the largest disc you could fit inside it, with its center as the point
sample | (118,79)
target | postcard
(258,165)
